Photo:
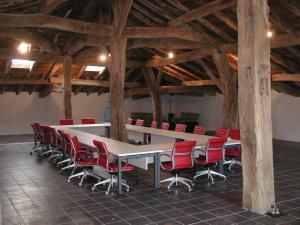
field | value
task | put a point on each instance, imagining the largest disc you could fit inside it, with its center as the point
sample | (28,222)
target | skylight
(99,69)
(21,64)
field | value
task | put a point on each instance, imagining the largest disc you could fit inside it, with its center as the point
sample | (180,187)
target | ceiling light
(103,57)
(109,55)
(171,55)
(24,47)
(99,69)
(269,34)
(21,64)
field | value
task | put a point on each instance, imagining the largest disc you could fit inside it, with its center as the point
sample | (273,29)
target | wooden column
(255,105)
(228,84)
(67,67)
(153,85)
(117,69)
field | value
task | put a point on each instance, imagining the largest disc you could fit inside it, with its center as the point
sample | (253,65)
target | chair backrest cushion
(214,149)
(182,156)
(129,121)
(66,122)
(154,124)
(67,143)
(234,134)
(103,156)
(199,130)
(165,126)
(180,127)
(88,121)
(139,122)
(46,134)
(221,132)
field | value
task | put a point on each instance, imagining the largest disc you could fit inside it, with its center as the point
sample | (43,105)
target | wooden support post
(67,66)
(255,105)
(117,69)
(228,82)
(153,86)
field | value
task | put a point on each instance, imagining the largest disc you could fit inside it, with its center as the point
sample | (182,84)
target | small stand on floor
(274,212)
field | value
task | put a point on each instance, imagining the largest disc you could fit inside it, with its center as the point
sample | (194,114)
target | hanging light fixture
(24,47)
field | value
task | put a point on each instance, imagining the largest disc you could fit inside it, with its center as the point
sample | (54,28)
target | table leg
(119,176)
(145,139)
(107,132)
(157,170)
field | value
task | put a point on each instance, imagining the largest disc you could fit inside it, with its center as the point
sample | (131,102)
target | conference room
(149,112)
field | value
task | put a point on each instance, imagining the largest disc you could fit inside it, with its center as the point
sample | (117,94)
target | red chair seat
(167,165)
(92,162)
(113,167)
(232,152)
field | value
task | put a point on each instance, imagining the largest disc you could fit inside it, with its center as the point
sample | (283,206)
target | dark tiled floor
(34,192)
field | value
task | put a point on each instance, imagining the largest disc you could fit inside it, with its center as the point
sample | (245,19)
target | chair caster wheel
(192,184)
(80,184)
(169,190)
(106,193)
(225,179)
(30,153)
(127,190)
(93,189)
(190,189)
(69,180)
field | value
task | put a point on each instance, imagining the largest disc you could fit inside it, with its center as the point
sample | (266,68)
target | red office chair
(154,124)
(199,130)
(180,127)
(165,126)
(46,140)
(57,145)
(37,137)
(139,123)
(83,158)
(213,154)
(181,158)
(221,132)
(129,121)
(66,122)
(232,152)
(88,121)
(107,161)
(68,151)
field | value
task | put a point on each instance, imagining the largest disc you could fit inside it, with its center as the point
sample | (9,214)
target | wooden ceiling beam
(279,41)
(168,32)
(286,77)
(199,83)
(202,11)
(54,22)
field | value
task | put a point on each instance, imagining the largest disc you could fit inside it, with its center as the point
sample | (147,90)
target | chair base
(111,181)
(210,174)
(176,179)
(232,162)
(85,173)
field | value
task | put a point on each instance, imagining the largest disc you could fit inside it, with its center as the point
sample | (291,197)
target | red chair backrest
(139,122)
(165,126)
(67,143)
(199,130)
(180,127)
(214,149)
(129,121)
(36,130)
(88,121)
(234,134)
(75,146)
(46,134)
(66,122)
(182,154)
(62,144)
(221,132)
(54,136)
(154,124)
(103,155)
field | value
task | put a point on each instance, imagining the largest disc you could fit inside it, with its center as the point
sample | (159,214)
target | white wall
(17,111)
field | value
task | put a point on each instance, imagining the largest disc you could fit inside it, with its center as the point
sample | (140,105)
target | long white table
(137,155)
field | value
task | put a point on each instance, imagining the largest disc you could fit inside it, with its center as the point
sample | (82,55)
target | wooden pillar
(228,82)
(153,85)
(67,67)
(255,105)
(117,69)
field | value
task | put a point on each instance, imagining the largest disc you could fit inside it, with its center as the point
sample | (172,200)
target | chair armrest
(165,155)
(200,150)
(87,155)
